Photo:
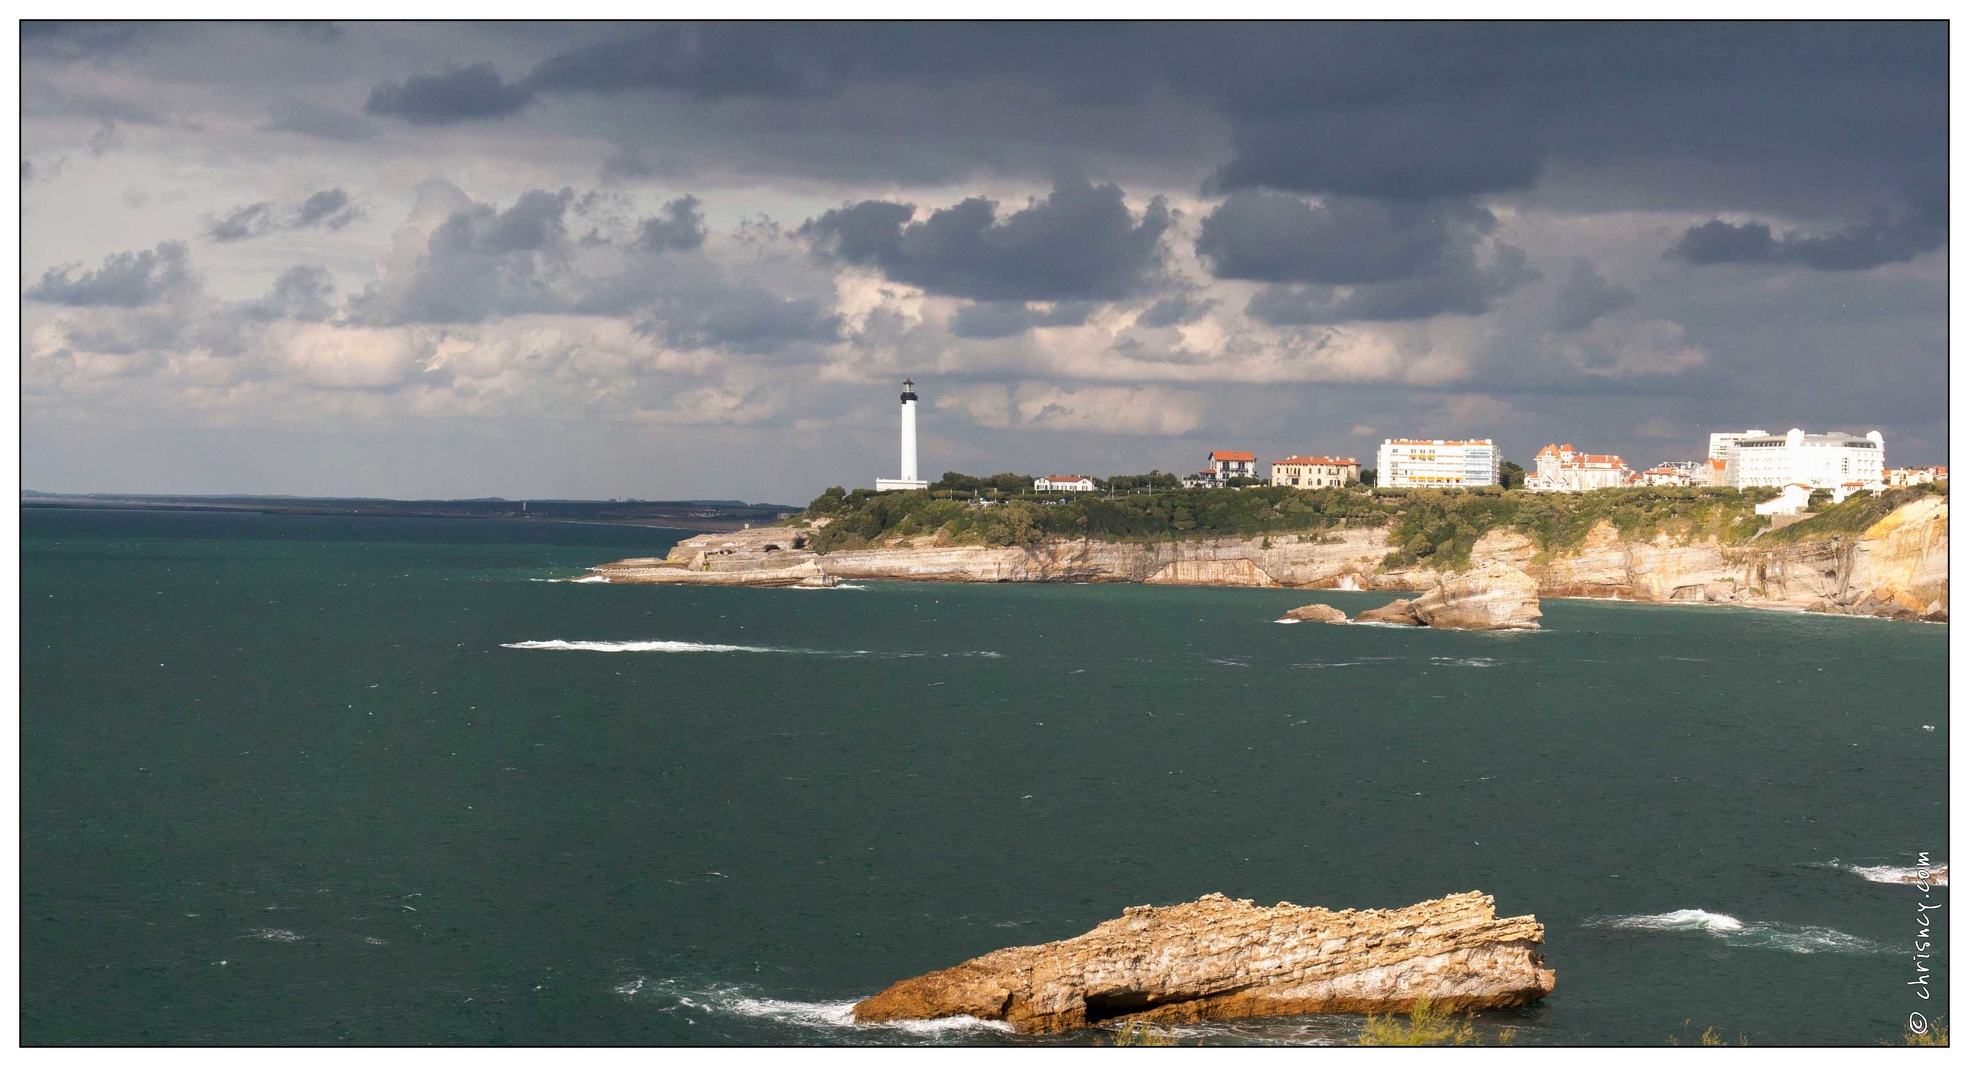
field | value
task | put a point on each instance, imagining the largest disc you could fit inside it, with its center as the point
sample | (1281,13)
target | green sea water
(285,781)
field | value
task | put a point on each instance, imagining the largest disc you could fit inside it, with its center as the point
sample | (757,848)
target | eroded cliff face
(1217,958)
(1897,568)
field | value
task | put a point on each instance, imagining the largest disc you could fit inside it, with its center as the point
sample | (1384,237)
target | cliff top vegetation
(1439,526)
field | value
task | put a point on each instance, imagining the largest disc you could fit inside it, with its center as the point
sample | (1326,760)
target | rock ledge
(1218,958)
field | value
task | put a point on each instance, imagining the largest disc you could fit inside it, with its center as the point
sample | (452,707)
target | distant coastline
(713,516)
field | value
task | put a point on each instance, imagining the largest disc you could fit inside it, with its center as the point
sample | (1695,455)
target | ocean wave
(1472,661)
(1286,622)
(590,579)
(740,1001)
(640,646)
(269,934)
(1806,940)
(1320,666)
(837,585)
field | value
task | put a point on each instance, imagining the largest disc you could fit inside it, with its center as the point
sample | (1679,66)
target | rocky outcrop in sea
(1218,958)
(1495,596)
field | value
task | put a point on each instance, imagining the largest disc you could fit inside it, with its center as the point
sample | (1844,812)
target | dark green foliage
(1007,484)
(1128,483)
(1514,475)
(1439,526)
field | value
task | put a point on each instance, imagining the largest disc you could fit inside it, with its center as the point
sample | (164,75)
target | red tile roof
(1314,460)
(1232,456)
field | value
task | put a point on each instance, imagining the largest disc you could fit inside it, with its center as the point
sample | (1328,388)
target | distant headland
(669,514)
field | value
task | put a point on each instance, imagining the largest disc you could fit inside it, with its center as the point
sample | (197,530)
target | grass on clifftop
(1436,526)
(1853,517)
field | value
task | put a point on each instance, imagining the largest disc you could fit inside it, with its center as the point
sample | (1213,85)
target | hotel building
(1417,464)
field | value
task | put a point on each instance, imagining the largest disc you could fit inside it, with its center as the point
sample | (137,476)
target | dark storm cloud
(1343,241)
(1402,111)
(679,227)
(1457,286)
(126,279)
(1397,153)
(458,94)
(744,317)
(303,293)
(329,209)
(1585,296)
(1080,242)
(1882,239)
(999,319)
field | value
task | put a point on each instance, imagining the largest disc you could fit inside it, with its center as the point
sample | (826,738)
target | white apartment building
(1315,472)
(1722,444)
(1563,469)
(1417,464)
(1818,460)
(1063,483)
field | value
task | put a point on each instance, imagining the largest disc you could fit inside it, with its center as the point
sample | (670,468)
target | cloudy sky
(696,261)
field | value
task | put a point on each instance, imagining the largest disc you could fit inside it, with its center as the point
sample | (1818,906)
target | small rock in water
(1317,613)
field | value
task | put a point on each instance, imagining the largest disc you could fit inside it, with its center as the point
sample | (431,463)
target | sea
(358,781)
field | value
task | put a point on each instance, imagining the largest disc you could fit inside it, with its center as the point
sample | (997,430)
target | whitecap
(270,934)
(1320,666)
(1286,622)
(1473,661)
(1731,930)
(638,646)
(590,579)
(1685,919)
(828,1014)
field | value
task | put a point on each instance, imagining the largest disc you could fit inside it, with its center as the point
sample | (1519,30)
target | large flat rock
(1218,958)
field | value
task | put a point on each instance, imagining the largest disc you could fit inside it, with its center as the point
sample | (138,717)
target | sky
(669,261)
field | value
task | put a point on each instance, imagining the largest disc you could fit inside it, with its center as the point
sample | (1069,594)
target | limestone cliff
(1217,958)
(1896,568)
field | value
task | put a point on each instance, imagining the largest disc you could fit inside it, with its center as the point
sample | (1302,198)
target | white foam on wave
(1472,661)
(1806,940)
(837,585)
(827,1014)
(1318,666)
(269,934)
(590,579)
(1286,622)
(1935,875)
(1685,919)
(639,646)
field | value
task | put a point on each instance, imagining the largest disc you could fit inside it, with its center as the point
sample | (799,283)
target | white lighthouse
(908,479)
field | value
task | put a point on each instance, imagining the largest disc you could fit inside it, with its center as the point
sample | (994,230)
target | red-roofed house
(1228,465)
(1562,469)
(1315,472)
(1063,483)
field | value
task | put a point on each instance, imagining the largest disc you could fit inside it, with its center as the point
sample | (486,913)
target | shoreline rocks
(1218,958)
(1317,613)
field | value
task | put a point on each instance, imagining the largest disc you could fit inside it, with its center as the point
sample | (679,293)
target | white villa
(1063,483)
(1418,464)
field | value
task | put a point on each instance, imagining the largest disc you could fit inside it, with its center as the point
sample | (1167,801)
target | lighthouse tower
(908,479)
